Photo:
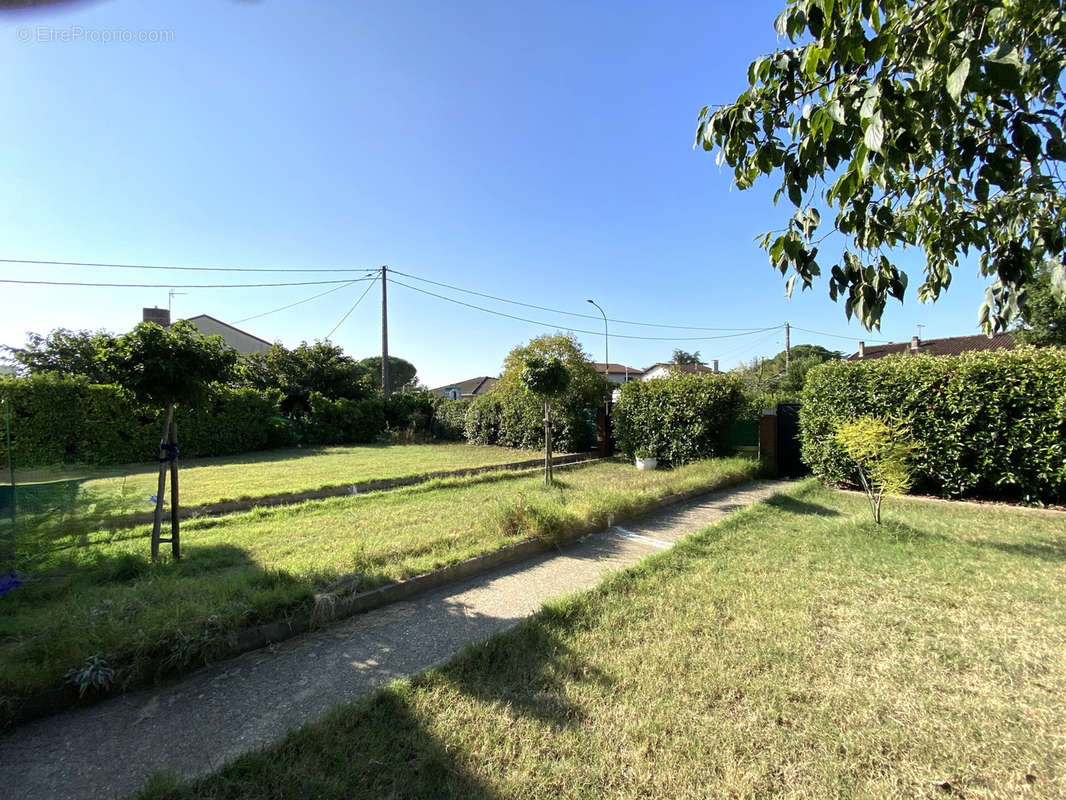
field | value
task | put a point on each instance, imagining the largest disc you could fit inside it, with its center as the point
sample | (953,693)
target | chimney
(160,316)
(862,349)
(714,365)
(914,344)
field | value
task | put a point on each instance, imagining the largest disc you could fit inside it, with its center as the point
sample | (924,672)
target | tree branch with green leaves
(935,124)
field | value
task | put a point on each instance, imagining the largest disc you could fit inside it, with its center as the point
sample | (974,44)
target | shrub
(880,454)
(410,413)
(344,421)
(990,423)
(678,418)
(449,418)
(511,416)
(517,420)
(57,420)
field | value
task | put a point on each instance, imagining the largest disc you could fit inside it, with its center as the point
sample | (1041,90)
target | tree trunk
(175,533)
(162,486)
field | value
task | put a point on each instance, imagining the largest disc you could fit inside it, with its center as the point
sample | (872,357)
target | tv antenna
(170,300)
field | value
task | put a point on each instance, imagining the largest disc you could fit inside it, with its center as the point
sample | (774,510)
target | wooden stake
(162,486)
(548,477)
(175,533)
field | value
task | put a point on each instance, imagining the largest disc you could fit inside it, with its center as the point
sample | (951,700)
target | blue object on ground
(9,582)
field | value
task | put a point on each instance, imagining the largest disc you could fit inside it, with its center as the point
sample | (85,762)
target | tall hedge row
(517,420)
(991,423)
(679,418)
(57,420)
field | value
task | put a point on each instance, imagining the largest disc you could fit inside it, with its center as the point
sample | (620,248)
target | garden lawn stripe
(195,725)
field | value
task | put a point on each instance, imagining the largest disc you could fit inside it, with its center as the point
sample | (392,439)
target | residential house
(662,369)
(465,390)
(949,346)
(241,341)
(618,373)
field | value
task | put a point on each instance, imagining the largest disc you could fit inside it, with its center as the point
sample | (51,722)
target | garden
(99,614)
(794,649)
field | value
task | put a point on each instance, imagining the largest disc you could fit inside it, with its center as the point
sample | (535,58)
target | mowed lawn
(107,599)
(250,475)
(793,650)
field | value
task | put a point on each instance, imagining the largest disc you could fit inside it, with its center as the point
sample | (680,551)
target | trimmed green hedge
(449,419)
(679,418)
(344,421)
(990,424)
(62,420)
(517,420)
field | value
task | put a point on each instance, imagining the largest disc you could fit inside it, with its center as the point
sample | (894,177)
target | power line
(838,336)
(184,268)
(298,302)
(560,311)
(369,286)
(577,330)
(179,285)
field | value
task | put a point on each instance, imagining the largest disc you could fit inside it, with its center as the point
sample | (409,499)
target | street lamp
(606,363)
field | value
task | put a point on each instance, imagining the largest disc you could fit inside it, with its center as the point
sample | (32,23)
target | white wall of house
(658,371)
(238,340)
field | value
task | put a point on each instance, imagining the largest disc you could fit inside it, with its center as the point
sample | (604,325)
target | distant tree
(586,385)
(681,357)
(769,381)
(935,124)
(547,378)
(509,414)
(1043,322)
(64,352)
(320,367)
(402,374)
(166,367)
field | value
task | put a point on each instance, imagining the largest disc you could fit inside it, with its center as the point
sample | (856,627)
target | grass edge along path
(793,649)
(186,644)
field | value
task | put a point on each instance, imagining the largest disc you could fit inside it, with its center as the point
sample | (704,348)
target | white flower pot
(647,463)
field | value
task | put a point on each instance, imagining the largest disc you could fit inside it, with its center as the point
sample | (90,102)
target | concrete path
(206,719)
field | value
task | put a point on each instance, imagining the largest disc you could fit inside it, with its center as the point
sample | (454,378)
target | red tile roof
(950,346)
(617,369)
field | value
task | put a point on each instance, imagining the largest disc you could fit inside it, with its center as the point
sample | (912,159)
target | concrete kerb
(331,607)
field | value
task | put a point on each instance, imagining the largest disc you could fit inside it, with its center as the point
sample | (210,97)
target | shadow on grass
(795,506)
(372,749)
(527,670)
(892,530)
(1046,549)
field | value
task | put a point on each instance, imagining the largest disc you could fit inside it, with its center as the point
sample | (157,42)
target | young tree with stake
(166,367)
(547,378)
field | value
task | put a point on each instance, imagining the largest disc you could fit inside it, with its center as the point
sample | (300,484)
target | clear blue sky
(537,151)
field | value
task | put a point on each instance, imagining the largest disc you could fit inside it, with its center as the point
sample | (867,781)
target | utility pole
(788,347)
(384,332)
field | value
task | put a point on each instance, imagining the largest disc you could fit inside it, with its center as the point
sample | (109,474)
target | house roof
(231,327)
(680,367)
(949,346)
(470,387)
(617,369)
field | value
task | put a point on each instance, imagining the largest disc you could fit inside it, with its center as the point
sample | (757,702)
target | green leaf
(835,111)
(957,80)
(875,133)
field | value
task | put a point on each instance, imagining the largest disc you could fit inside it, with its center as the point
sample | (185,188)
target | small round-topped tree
(165,367)
(547,378)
